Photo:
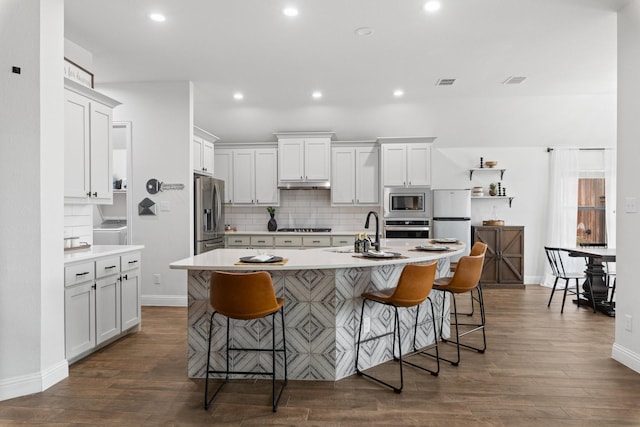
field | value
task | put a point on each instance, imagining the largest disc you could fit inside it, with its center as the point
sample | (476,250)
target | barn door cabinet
(504,260)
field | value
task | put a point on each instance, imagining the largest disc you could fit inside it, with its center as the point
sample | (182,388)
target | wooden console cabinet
(504,260)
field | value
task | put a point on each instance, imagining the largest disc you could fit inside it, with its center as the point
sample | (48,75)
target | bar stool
(465,279)
(245,296)
(478,248)
(413,288)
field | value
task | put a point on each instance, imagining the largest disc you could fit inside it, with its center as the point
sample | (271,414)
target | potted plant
(272,225)
(492,189)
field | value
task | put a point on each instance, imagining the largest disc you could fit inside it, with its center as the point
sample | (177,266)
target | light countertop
(317,258)
(98,251)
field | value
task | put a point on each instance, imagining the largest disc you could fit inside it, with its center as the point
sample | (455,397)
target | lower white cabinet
(102,301)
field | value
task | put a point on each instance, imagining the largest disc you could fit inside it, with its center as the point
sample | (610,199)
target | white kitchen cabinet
(203,152)
(223,168)
(252,176)
(79,313)
(406,165)
(304,158)
(355,175)
(88,148)
(102,301)
(130,292)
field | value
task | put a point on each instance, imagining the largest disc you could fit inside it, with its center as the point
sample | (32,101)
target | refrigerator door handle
(217,202)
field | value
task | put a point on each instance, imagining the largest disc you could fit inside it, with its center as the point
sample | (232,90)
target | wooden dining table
(596,290)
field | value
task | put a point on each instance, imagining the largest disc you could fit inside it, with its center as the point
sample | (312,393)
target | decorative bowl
(491,163)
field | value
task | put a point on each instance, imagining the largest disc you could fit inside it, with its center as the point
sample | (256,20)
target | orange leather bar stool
(245,296)
(414,287)
(478,248)
(465,279)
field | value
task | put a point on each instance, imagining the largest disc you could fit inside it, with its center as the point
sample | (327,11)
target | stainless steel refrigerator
(209,214)
(452,216)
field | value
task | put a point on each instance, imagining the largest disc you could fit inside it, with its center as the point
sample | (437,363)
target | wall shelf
(472,170)
(510,198)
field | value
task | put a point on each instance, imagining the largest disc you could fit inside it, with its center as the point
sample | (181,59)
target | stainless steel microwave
(407,202)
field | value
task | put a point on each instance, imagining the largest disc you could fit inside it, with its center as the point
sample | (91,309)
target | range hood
(304,185)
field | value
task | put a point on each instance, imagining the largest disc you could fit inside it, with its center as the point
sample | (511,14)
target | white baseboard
(33,383)
(165,300)
(625,356)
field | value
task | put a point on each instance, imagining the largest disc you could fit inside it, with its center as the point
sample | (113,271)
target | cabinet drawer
(346,240)
(239,241)
(79,273)
(309,241)
(288,241)
(107,266)
(261,241)
(130,261)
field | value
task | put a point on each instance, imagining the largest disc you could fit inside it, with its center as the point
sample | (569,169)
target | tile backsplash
(300,208)
(78,222)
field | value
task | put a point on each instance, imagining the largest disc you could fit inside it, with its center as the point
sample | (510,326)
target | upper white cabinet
(406,164)
(203,153)
(304,158)
(250,174)
(223,168)
(355,175)
(88,160)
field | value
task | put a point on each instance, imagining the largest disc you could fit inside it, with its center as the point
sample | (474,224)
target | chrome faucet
(376,244)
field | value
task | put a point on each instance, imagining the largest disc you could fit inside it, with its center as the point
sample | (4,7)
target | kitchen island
(322,289)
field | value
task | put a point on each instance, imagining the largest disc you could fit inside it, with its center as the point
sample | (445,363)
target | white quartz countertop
(317,258)
(98,251)
(299,233)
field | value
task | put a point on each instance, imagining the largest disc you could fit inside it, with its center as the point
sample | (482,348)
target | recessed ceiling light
(363,31)
(290,11)
(431,6)
(238,96)
(317,94)
(398,93)
(157,17)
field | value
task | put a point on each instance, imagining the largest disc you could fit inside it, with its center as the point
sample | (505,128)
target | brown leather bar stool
(478,248)
(245,296)
(465,279)
(414,287)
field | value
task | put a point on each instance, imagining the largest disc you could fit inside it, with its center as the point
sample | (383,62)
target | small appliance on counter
(110,232)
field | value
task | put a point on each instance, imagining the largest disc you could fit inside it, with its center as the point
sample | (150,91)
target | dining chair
(413,288)
(245,296)
(558,269)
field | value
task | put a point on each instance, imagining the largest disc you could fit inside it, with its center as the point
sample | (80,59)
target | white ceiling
(563,47)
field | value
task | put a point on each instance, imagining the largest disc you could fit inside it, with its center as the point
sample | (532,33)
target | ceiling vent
(445,82)
(513,80)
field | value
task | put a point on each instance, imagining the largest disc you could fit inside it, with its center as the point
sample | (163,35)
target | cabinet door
(130,299)
(107,308)
(243,176)
(394,167)
(317,163)
(266,176)
(223,162)
(76,147)
(79,319)
(291,160)
(418,164)
(366,176)
(101,154)
(511,254)
(490,236)
(343,175)
(207,157)
(197,153)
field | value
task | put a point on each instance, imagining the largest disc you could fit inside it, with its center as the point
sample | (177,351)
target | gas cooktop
(305,230)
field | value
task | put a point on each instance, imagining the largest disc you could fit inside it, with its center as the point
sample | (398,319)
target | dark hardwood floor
(541,369)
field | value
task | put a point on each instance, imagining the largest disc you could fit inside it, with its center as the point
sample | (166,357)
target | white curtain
(610,193)
(563,206)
